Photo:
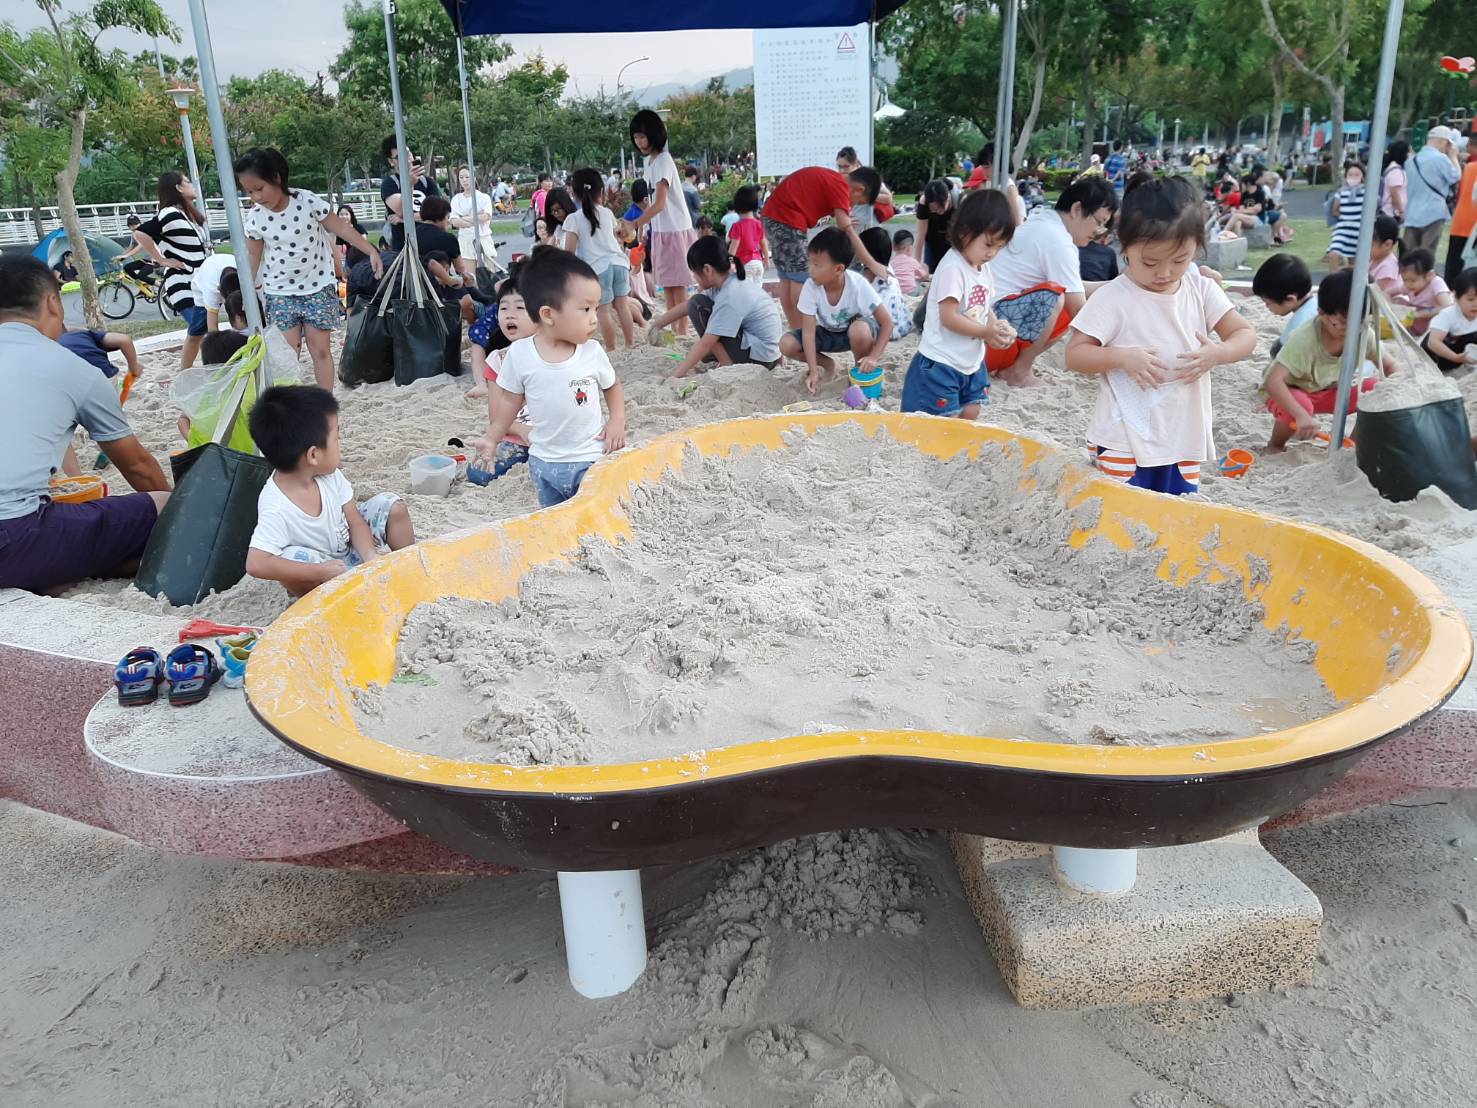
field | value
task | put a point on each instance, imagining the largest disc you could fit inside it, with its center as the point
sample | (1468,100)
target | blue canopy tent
(524,17)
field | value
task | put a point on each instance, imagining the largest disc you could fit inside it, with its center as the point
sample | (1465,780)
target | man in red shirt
(797,205)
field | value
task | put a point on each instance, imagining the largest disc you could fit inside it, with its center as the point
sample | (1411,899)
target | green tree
(425,46)
(63,75)
(138,131)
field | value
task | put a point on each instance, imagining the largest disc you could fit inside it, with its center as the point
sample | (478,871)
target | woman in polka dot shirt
(290,234)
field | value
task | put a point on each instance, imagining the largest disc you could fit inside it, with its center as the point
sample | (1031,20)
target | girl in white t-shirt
(590,234)
(467,236)
(290,236)
(671,222)
(1147,336)
(947,375)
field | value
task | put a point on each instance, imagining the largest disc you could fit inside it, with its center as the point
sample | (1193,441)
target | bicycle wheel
(116,300)
(165,311)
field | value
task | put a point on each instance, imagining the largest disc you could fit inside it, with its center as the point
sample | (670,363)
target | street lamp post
(619,74)
(1176,138)
(181,97)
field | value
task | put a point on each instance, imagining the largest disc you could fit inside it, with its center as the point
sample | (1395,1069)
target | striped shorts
(1176,478)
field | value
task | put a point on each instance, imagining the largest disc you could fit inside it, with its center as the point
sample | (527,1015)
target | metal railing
(18,227)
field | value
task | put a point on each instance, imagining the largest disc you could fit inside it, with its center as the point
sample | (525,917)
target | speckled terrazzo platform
(1204,920)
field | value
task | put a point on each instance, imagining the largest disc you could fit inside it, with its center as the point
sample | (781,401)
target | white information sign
(812,96)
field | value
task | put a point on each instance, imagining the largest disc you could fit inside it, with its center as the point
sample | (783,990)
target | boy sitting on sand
(839,311)
(1303,379)
(559,375)
(308,527)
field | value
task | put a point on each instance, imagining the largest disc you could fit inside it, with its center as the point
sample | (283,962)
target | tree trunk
(36,219)
(1089,110)
(1336,114)
(66,200)
(1028,125)
(1274,127)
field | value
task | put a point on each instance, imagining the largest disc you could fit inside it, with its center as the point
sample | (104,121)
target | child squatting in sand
(838,310)
(1146,335)
(309,529)
(1303,379)
(560,375)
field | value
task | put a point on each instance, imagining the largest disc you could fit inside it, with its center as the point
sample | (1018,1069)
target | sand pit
(383,427)
(846,582)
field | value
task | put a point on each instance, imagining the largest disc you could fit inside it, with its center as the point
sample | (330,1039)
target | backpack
(530,218)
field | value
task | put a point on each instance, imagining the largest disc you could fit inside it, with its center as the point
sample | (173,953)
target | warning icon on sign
(846,45)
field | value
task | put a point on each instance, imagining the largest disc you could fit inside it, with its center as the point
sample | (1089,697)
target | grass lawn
(1310,243)
(143,328)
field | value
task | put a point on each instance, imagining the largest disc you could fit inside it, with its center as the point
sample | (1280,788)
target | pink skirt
(669,258)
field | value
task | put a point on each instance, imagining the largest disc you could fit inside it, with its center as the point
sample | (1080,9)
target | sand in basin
(845,582)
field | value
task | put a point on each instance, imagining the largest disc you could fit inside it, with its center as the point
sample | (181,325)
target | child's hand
(1211,274)
(613,434)
(1143,366)
(1306,427)
(135,370)
(332,568)
(812,379)
(1196,363)
(1001,334)
(377,265)
(654,336)
(866,365)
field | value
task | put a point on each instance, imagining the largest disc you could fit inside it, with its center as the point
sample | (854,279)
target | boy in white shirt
(308,527)
(559,375)
(839,311)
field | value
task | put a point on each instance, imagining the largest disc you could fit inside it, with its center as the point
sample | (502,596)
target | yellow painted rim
(1391,645)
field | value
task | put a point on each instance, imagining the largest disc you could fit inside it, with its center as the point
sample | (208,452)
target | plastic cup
(1236,462)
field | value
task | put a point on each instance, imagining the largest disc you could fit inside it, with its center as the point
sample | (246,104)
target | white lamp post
(181,97)
(621,73)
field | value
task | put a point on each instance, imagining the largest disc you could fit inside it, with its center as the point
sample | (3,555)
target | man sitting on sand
(49,392)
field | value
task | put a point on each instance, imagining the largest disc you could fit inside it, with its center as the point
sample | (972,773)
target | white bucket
(431,474)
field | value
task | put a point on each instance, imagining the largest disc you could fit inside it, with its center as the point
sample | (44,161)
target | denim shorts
(556,482)
(195,321)
(940,389)
(321,310)
(376,513)
(836,342)
(615,281)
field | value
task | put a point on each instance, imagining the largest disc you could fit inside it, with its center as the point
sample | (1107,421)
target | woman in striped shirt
(178,240)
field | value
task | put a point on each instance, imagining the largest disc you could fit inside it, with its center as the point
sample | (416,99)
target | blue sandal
(137,677)
(189,671)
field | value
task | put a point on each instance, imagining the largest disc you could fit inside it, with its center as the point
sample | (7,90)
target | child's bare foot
(1019,377)
(684,372)
(1273,448)
(477,392)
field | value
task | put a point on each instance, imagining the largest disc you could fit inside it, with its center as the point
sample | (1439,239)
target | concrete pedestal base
(1224,257)
(1203,920)
(1259,237)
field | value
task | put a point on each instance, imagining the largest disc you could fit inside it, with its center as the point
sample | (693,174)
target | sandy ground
(136,977)
(845,971)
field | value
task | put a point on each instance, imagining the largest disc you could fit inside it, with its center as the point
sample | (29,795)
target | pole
(461,68)
(1378,123)
(1000,171)
(159,61)
(407,191)
(1176,138)
(229,197)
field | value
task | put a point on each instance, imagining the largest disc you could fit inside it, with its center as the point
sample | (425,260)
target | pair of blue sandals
(188,673)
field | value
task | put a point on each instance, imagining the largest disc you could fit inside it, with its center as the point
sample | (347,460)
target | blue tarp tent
(513,17)
(103,250)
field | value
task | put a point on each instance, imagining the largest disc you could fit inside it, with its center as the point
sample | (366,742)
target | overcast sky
(305,35)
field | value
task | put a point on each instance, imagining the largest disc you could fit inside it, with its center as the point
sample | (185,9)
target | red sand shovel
(206,628)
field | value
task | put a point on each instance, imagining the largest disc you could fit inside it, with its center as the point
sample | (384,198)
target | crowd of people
(990,278)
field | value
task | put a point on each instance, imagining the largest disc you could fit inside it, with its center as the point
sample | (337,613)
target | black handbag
(200,541)
(419,334)
(1409,449)
(368,354)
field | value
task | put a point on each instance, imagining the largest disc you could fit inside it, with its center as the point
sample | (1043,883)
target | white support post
(461,69)
(1096,872)
(604,930)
